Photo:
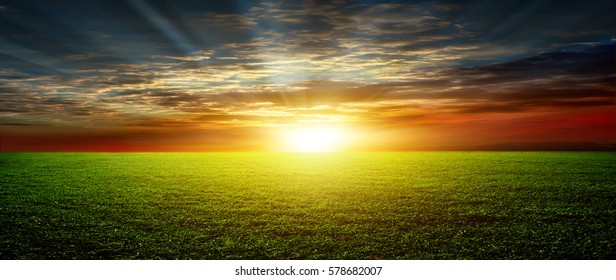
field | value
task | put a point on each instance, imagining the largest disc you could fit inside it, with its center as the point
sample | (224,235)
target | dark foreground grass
(441,205)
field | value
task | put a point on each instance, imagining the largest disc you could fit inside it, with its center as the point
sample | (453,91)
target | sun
(314,139)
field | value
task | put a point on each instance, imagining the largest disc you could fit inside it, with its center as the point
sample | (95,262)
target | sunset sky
(237,75)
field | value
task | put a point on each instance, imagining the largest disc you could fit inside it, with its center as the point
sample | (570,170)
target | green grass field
(433,205)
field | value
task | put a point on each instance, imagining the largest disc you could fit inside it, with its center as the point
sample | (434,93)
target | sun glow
(314,139)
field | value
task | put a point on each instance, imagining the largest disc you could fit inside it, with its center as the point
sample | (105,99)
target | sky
(143,75)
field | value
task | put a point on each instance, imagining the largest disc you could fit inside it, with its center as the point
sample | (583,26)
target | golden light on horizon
(314,139)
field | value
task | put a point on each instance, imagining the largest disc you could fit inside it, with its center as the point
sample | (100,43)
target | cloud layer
(235,69)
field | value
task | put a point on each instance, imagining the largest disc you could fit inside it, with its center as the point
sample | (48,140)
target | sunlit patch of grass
(441,205)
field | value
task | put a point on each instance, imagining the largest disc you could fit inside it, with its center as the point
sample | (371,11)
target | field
(432,205)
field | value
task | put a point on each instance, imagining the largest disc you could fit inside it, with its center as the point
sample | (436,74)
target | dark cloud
(595,61)
(22,124)
(20,68)
(535,24)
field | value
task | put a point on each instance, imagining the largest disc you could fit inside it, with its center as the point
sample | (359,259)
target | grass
(436,205)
